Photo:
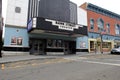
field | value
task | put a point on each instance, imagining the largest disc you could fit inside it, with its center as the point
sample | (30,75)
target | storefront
(47,35)
(92,45)
(96,45)
(107,45)
(43,46)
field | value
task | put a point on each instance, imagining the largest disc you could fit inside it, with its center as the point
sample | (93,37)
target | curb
(5,62)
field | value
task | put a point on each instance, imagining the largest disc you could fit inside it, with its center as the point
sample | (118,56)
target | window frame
(17,9)
(100,25)
(117,29)
(108,28)
(92,21)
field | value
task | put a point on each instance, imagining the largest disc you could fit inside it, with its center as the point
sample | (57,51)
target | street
(90,67)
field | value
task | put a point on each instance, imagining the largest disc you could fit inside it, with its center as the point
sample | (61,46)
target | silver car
(116,50)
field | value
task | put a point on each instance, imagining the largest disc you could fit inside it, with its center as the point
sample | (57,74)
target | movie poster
(16,41)
(82,44)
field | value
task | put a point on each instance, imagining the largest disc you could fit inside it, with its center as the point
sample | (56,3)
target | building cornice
(102,11)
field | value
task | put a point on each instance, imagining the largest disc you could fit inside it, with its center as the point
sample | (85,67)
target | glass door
(37,47)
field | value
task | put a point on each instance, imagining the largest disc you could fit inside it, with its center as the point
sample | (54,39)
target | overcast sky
(111,5)
(3,7)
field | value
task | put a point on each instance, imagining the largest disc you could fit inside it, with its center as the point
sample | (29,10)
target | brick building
(103,28)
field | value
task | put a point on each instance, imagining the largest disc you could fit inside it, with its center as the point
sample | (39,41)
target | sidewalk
(9,59)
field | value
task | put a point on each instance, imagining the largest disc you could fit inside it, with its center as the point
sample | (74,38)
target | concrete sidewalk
(9,59)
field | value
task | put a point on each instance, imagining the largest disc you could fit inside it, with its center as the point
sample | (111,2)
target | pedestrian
(95,50)
(1,44)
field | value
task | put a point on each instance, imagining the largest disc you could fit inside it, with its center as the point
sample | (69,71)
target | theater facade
(53,26)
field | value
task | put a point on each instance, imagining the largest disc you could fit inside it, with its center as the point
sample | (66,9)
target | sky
(4,7)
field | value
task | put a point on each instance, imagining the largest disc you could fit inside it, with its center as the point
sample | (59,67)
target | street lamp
(103,31)
(101,43)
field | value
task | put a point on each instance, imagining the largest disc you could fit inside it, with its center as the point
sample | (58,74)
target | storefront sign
(64,25)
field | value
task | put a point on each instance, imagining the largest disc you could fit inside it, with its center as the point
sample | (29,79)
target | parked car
(116,50)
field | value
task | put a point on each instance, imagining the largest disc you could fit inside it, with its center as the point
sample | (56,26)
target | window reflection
(54,43)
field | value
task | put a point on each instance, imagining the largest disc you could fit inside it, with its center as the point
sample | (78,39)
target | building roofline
(102,10)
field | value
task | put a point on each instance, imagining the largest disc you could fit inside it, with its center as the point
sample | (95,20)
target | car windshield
(117,46)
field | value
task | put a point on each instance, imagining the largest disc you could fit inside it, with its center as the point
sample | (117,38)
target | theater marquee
(52,26)
(64,25)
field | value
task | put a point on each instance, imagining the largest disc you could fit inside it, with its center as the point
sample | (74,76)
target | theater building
(53,26)
(44,26)
(103,28)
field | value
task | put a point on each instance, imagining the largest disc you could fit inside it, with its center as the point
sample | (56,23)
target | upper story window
(108,28)
(17,9)
(100,24)
(91,24)
(117,29)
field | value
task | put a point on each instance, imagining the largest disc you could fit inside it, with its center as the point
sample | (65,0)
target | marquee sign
(54,26)
(64,25)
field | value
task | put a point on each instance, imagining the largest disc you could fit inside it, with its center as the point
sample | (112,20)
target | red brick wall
(106,19)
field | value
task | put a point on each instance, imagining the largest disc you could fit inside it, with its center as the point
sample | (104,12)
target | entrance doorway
(99,47)
(43,46)
(69,47)
(37,47)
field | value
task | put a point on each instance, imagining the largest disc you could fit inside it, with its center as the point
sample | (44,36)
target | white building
(15,32)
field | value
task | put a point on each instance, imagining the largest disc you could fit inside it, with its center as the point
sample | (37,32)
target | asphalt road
(100,67)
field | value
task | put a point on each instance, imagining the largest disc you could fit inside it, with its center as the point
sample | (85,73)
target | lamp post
(101,43)
(101,34)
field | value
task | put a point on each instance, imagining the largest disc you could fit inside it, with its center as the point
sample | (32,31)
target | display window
(16,40)
(54,43)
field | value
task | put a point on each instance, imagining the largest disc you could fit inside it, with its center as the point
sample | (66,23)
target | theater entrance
(44,46)
(37,47)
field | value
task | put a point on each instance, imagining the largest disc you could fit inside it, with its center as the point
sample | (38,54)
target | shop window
(49,43)
(13,41)
(19,41)
(106,45)
(16,40)
(54,43)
